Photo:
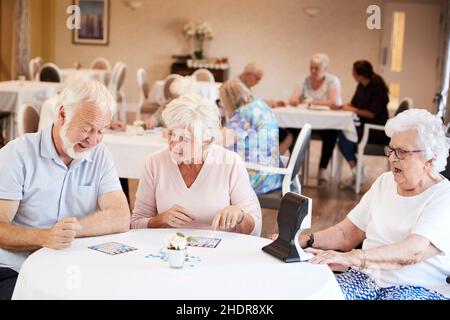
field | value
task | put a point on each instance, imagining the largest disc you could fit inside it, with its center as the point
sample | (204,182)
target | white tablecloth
(96,74)
(207,90)
(129,150)
(235,269)
(14,93)
(296,117)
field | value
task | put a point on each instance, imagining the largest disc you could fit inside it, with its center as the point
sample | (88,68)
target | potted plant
(199,33)
(176,249)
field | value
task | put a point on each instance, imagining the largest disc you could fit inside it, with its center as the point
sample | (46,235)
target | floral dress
(256,129)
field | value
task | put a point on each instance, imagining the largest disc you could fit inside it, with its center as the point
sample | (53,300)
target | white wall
(275,33)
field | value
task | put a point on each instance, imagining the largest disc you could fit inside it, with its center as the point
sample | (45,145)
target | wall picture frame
(94,22)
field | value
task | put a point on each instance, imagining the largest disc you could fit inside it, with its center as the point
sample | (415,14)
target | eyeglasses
(400,154)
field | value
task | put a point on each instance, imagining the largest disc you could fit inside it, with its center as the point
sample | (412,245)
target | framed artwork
(94,22)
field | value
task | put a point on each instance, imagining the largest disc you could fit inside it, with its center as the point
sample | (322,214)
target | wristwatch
(310,241)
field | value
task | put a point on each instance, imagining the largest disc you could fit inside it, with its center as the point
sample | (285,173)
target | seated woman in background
(195,183)
(319,88)
(254,133)
(369,103)
(403,220)
(174,86)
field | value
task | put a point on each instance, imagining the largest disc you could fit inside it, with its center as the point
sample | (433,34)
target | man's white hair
(78,91)
(321,59)
(430,134)
(252,67)
(192,110)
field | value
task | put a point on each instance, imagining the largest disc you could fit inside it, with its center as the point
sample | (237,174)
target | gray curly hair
(430,134)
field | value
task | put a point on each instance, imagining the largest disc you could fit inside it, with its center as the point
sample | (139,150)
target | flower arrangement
(176,241)
(198,32)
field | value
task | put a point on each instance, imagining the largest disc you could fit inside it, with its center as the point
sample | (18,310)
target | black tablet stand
(293,209)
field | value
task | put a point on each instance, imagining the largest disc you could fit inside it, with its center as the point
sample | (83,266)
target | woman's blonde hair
(234,94)
(321,59)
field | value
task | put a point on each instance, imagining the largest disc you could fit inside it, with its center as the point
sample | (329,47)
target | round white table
(235,269)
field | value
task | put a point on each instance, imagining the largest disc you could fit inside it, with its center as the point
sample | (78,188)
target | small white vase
(176,258)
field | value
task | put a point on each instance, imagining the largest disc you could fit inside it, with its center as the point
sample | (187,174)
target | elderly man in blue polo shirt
(60,183)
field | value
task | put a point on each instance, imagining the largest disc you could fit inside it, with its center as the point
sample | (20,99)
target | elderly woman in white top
(195,183)
(403,220)
(320,88)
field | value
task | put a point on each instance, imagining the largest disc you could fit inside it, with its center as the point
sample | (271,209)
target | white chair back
(101,63)
(167,83)
(203,75)
(33,68)
(115,87)
(48,114)
(296,160)
(27,119)
(143,85)
(50,73)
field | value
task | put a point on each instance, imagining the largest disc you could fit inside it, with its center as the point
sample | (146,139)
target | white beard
(68,146)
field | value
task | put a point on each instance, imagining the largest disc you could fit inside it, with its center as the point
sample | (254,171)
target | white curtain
(21,37)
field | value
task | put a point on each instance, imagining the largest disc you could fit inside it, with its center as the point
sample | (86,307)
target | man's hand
(62,234)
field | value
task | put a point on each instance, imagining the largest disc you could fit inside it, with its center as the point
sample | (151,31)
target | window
(397,40)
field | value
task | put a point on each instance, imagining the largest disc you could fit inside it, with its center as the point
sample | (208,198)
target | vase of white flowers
(176,250)
(198,32)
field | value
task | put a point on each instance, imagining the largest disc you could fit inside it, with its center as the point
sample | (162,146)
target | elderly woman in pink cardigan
(195,183)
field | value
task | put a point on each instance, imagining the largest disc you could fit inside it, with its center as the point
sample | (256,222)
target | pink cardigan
(222,181)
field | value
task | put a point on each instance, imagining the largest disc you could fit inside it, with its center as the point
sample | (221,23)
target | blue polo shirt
(32,172)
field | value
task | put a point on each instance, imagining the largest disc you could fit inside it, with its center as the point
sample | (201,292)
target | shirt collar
(48,149)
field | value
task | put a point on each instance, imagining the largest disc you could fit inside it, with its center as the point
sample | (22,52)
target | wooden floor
(330,203)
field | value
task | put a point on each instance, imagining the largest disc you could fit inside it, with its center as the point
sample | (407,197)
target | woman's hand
(348,107)
(333,258)
(118,126)
(228,218)
(175,217)
(294,101)
(149,123)
(336,107)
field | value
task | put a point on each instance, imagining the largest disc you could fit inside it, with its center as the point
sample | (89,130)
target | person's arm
(343,236)
(360,112)
(113,216)
(243,197)
(296,97)
(413,249)
(17,238)
(145,204)
(13,237)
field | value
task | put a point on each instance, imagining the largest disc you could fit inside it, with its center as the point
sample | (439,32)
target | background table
(97,74)
(235,269)
(15,93)
(207,90)
(129,150)
(296,117)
